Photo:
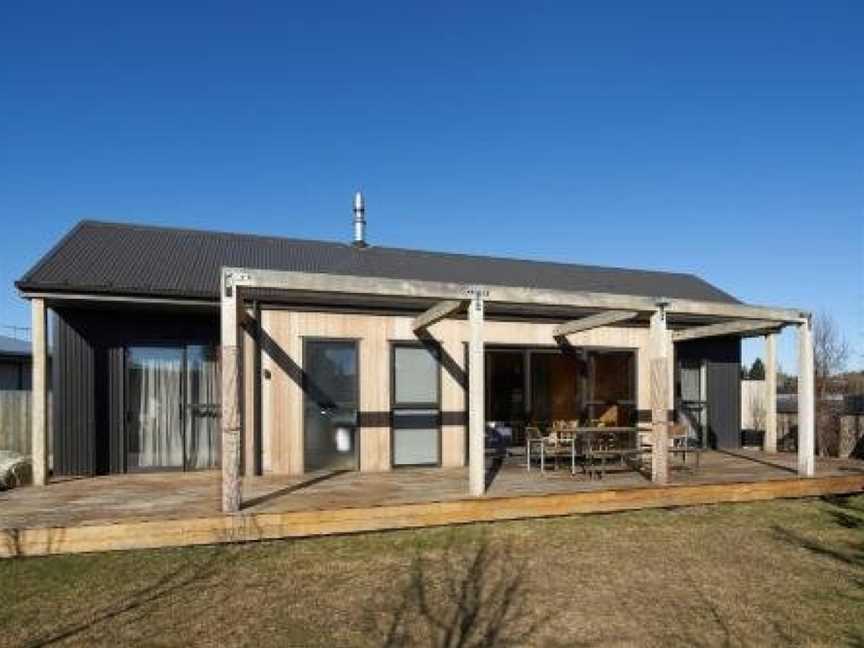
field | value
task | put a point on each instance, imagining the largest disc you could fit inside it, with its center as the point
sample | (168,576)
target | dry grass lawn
(776,573)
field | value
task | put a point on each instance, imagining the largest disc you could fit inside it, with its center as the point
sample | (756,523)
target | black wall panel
(723,359)
(74,422)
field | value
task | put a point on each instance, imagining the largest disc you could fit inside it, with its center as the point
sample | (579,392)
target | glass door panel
(416,406)
(692,406)
(155,412)
(556,392)
(330,405)
(202,408)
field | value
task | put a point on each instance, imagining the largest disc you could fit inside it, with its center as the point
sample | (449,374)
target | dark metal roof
(124,259)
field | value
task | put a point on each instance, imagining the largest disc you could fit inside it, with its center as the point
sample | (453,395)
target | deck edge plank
(117,535)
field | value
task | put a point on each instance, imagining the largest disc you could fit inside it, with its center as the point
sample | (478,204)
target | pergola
(684,319)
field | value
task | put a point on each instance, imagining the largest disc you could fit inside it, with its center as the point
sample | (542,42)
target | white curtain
(202,421)
(160,437)
(690,382)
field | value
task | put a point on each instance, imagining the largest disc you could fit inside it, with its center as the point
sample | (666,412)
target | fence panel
(753,405)
(15,412)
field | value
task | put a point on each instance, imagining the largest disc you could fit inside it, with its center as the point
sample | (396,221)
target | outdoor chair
(555,446)
(681,443)
(533,444)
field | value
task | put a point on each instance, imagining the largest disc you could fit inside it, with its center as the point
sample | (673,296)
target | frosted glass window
(416,375)
(415,437)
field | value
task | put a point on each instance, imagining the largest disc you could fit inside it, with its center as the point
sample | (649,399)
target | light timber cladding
(283,332)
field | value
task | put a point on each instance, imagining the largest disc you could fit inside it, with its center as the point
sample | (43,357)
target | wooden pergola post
(806,402)
(770,440)
(39,416)
(659,361)
(232,422)
(476,400)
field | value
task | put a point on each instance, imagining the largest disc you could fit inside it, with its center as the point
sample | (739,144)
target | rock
(15,470)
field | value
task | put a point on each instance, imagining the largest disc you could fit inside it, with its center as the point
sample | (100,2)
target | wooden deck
(158,510)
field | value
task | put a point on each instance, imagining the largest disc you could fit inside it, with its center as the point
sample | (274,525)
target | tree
(830,354)
(758,411)
(757,370)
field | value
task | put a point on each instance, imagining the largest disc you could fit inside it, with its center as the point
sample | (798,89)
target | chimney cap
(359,220)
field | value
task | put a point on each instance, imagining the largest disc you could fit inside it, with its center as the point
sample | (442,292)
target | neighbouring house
(309,355)
(15,376)
(15,361)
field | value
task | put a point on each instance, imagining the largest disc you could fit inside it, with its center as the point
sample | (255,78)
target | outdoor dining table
(588,437)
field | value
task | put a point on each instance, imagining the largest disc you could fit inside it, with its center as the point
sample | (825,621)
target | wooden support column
(476,400)
(770,441)
(39,416)
(232,426)
(806,402)
(660,394)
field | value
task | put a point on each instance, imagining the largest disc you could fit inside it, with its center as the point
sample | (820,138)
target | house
(14,364)
(180,349)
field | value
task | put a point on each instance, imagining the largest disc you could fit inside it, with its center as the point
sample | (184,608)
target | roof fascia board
(126,299)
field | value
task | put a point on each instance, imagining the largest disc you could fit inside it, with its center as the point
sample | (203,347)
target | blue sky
(723,139)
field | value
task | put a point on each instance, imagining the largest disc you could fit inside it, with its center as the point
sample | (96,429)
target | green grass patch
(773,573)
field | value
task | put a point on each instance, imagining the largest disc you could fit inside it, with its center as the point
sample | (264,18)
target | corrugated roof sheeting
(145,260)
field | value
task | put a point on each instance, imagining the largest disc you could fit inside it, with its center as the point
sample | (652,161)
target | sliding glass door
(539,386)
(172,419)
(155,414)
(330,405)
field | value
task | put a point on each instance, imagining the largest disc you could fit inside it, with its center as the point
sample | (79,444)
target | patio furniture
(681,443)
(555,445)
(599,445)
(608,444)
(533,441)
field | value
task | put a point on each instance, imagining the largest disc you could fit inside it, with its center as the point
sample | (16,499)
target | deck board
(144,511)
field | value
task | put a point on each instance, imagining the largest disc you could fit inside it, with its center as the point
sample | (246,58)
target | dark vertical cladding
(722,356)
(74,400)
(89,378)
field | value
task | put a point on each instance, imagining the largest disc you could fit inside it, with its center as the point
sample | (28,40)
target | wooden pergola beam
(593,321)
(382,287)
(743,328)
(441,310)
